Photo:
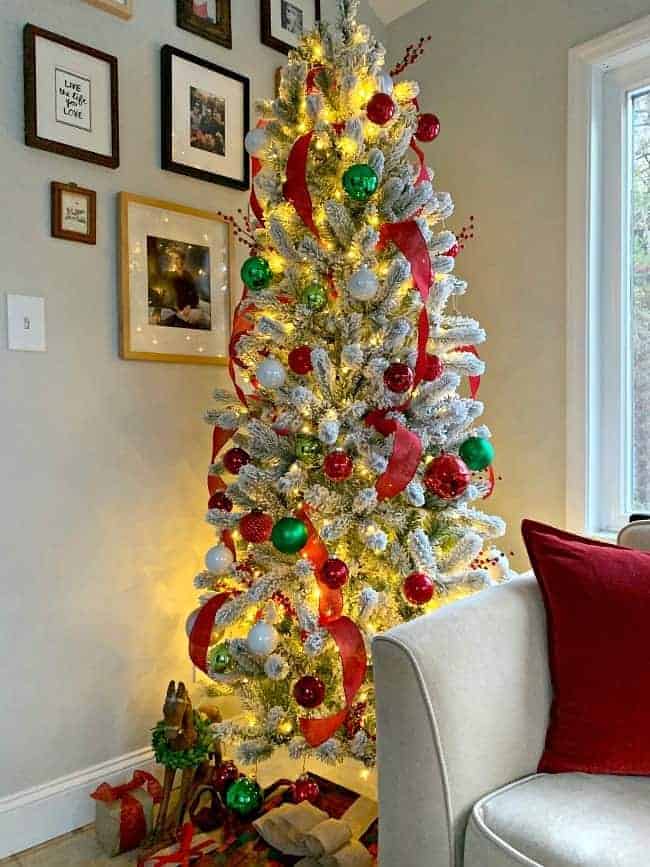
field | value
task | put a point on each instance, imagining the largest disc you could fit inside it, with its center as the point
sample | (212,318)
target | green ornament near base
(309,450)
(244,797)
(314,296)
(219,658)
(477,452)
(290,535)
(256,273)
(360,182)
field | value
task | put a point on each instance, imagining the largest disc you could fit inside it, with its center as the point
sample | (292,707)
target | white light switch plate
(26,323)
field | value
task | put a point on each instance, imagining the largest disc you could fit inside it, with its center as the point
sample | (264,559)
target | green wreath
(179,759)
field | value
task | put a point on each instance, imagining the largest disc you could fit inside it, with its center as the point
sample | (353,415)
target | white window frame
(600,74)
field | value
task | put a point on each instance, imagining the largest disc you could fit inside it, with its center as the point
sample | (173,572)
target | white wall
(496,74)
(102,461)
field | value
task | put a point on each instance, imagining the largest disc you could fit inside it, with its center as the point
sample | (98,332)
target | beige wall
(102,461)
(496,74)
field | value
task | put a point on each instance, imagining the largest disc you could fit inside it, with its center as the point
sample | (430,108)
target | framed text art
(205,116)
(71,99)
(285,21)
(207,18)
(122,8)
(175,282)
(74,213)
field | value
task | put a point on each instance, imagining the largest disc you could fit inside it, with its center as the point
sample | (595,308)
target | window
(608,281)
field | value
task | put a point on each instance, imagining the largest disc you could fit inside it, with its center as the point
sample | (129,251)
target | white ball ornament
(219,559)
(270,373)
(255,141)
(385,83)
(262,639)
(363,285)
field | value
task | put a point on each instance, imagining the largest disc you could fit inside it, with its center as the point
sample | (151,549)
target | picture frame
(121,8)
(205,117)
(175,282)
(73,213)
(210,19)
(284,21)
(71,98)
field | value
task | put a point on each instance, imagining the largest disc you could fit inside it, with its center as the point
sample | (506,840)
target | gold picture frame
(194,326)
(115,7)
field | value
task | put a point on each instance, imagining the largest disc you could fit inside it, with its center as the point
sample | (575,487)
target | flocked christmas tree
(345,470)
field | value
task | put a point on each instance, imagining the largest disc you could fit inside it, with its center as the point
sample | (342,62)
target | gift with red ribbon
(124,814)
(188,851)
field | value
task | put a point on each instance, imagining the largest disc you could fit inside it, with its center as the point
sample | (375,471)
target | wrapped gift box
(124,814)
(188,852)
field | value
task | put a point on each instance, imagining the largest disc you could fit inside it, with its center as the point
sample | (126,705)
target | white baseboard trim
(35,815)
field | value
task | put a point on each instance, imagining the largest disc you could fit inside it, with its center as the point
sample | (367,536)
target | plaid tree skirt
(248,850)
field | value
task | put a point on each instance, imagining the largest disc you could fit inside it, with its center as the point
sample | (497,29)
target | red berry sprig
(242,228)
(412,54)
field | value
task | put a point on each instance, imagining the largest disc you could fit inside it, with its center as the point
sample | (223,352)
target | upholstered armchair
(463,698)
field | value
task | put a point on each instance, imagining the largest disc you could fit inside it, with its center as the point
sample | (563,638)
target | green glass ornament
(314,296)
(256,273)
(360,182)
(289,535)
(244,797)
(219,658)
(477,452)
(309,450)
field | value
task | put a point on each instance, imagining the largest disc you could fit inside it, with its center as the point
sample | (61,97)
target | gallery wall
(496,73)
(102,461)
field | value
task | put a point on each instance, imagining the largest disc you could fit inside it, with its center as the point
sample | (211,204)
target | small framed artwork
(205,117)
(285,21)
(175,282)
(123,8)
(207,18)
(74,213)
(71,101)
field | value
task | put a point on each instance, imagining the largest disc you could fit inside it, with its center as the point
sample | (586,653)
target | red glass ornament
(380,109)
(335,573)
(428,127)
(398,377)
(447,477)
(256,527)
(305,789)
(418,588)
(337,466)
(453,251)
(223,775)
(235,459)
(300,360)
(219,500)
(433,368)
(309,691)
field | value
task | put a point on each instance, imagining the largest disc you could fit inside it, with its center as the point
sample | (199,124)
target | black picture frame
(187,19)
(267,30)
(168,53)
(32,138)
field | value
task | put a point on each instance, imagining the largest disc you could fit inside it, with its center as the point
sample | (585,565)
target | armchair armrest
(463,697)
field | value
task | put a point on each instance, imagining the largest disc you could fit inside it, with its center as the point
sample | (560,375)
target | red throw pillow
(597,599)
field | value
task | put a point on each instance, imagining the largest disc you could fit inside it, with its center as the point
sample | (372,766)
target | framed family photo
(207,18)
(205,117)
(285,21)
(74,213)
(71,99)
(122,8)
(175,282)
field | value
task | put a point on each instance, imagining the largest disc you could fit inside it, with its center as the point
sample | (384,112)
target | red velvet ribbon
(330,602)
(201,633)
(310,82)
(295,189)
(423,175)
(474,381)
(256,207)
(133,824)
(348,639)
(405,458)
(186,851)
(492,483)
(409,240)
(220,436)
(241,324)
